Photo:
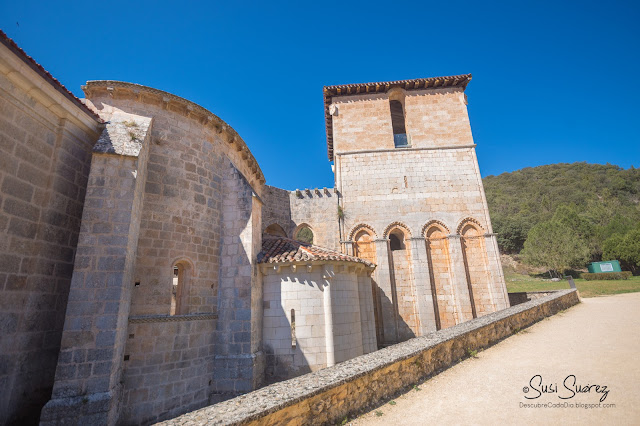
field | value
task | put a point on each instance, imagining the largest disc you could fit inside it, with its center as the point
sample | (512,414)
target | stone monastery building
(147,270)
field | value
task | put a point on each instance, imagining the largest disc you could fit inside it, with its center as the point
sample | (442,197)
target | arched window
(180,274)
(396,240)
(304,234)
(275,230)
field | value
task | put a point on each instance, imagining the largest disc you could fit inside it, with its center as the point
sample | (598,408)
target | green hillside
(598,201)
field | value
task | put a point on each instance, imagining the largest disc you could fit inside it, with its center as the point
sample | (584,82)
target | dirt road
(597,342)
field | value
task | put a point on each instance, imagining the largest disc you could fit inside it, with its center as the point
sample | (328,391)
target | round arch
(469,221)
(444,228)
(396,225)
(363,226)
(296,233)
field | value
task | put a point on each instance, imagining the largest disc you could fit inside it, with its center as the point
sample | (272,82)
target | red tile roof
(13,47)
(281,250)
(382,87)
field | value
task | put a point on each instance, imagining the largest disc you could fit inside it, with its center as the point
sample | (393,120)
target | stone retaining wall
(332,394)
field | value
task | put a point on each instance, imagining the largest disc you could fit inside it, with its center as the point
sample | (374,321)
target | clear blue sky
(552,81)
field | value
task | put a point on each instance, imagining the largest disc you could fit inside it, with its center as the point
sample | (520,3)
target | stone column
(239,361)
(425,298)
(327,275)
(459,279)
(87,389)
(387,293)
(497,284)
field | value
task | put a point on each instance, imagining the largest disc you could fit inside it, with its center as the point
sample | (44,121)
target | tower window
(400,138)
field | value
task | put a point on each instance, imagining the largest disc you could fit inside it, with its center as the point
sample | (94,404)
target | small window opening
(396,241)
(305,234)
(400,138)
(293,328)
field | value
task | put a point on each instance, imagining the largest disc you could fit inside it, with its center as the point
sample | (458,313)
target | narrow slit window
(293,328)
(180,276)
(174,289)
(400,138)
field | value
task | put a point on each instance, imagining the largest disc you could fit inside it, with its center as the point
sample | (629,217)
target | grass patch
(517,283)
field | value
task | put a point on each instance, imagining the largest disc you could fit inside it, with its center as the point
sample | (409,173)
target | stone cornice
(435,148)
(277,267)
(170,318)
(181,106)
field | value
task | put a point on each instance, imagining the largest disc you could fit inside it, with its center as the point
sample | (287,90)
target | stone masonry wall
(45,154)
(316,208)
(413,187)
(433,118)
(168,366)
(330,395)
(303,291)
(277,209)
(319,210)
(181,217)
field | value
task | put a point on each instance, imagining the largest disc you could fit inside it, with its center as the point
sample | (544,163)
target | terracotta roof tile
(12,46)
(281,250)
(382,87)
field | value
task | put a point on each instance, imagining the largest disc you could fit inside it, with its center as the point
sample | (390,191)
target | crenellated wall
(315,208)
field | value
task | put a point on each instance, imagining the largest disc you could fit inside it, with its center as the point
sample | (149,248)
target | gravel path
(597,341)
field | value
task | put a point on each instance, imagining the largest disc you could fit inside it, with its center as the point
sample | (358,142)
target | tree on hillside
(606,197)
(625,248)
(555,246)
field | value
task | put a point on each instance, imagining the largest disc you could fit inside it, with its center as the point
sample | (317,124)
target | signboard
(606,267)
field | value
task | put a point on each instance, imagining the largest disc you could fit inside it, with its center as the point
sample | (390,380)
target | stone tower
(412,202)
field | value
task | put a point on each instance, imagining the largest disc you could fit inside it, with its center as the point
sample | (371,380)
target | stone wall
(319,210)
(315,315)
(333,394)
(169,362)
(315,208)
(277,209)
(45,154)
(433,117)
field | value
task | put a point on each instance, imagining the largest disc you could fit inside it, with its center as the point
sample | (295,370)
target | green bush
(624,275)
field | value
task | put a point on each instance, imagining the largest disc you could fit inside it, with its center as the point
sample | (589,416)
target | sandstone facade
(132,264)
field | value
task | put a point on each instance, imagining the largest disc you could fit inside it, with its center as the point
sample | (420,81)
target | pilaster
(387,293)
(425,298)
(464,301)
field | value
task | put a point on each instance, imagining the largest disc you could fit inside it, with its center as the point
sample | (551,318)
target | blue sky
(552,81)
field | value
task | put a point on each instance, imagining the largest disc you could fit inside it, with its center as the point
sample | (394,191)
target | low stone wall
(331,394)
(525,296)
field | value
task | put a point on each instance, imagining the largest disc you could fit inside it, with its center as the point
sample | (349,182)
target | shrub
(625,275)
